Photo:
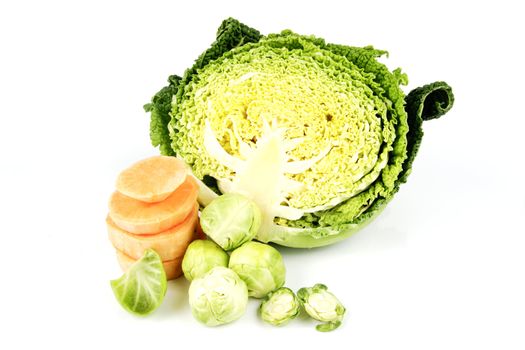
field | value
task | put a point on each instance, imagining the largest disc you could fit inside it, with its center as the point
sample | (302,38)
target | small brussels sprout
(323,306)
(218,297)
(260,265)
(231,220)
(279,307)
(142,288)
(201,256)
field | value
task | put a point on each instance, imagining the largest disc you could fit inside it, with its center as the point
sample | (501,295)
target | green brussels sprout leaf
(142,288)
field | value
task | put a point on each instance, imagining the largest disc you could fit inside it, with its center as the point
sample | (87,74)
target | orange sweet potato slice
(169,244)
(152,179)
(140,217)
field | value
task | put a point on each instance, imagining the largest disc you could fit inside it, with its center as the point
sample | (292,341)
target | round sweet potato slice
(169,244)
(152,179)
(140,217)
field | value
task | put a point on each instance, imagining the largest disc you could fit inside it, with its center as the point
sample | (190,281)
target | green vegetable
(231,220)
(260,265)
(323,306)
(218,297)
(320,136)
(143,287)
(279,307)
(201,256)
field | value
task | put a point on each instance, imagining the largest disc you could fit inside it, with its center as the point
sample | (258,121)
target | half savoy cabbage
(319,135)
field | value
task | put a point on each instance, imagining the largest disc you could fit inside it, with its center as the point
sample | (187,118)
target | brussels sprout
(231,220)
(260,265)
(323,306)
(279,307)
(201,256)
(143,287)
(218,297)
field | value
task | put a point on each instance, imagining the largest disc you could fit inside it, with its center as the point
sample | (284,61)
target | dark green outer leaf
(230,34)
(427,102)
(160,108)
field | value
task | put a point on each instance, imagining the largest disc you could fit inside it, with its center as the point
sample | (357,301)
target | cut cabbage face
(316,134)
(316,102)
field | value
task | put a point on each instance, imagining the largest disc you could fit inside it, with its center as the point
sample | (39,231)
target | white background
(441,268)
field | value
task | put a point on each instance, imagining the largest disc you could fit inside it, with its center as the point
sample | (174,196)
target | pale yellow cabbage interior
(324,105)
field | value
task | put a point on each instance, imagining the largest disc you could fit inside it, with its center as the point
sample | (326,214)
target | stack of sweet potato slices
(154,206)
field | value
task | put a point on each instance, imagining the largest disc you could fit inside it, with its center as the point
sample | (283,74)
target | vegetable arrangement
(224,271)
(278,139)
